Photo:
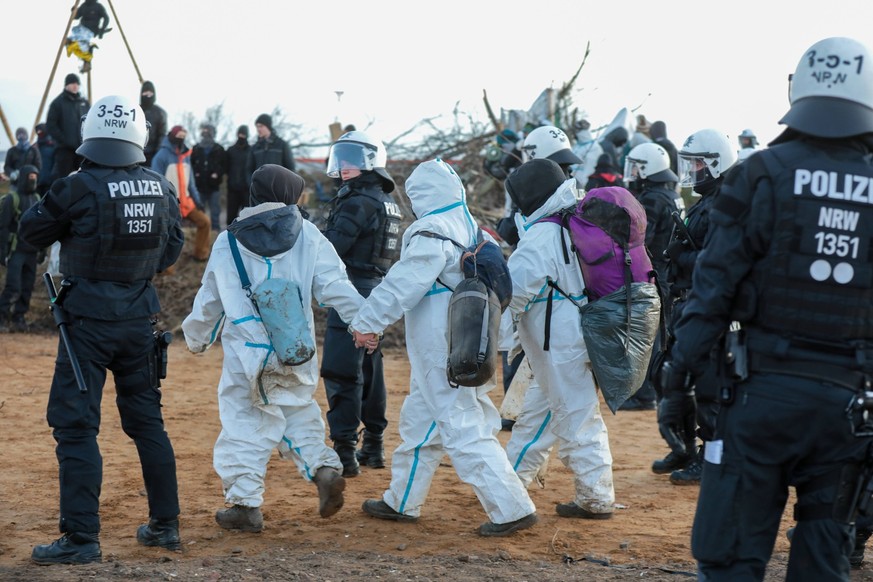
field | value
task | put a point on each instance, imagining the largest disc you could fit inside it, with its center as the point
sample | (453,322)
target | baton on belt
(60,316)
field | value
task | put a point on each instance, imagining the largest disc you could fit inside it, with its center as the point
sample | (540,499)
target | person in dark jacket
(605,174)
(19,257)
(209,162)
(658,133)
(364,228)
(270,148)
(157,118)
(648,175)
(237,176)
(22,154)
(46,145)
(64,123)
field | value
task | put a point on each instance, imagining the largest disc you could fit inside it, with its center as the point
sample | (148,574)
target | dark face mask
(29,185)
(177,141)
(146,102)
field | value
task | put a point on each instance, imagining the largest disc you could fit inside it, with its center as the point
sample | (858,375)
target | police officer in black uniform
(704,159)
(649,176)
(118,224)
(364,227)
(794,224)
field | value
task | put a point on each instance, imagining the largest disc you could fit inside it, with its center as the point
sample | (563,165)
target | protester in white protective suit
(588,149)
(437,419)
(262,404)
(561,405)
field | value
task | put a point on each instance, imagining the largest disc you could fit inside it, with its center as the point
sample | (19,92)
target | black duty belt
(837,375)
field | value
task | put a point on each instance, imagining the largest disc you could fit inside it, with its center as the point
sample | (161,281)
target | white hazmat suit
(437,419)
(561,406)
(263,404)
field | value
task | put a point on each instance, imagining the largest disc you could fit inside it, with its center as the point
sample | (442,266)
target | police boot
(346,452)
(372,453)
(162,533)
(70,548)
(857,556)
(672,462)
(240,517)
(692,472)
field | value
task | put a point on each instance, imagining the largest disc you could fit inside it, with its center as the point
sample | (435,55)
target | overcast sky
(691,64)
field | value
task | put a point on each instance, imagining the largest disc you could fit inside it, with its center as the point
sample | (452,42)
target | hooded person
(157,119)
(237,174)
(263,404)
(437,419)
(19,257)
(658,133)
(588,149)
(22,154)
(561,405)
(173,161)
(606,174)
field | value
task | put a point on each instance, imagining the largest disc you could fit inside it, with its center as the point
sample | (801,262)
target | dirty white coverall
(561,406)
(262,404)
(435,418)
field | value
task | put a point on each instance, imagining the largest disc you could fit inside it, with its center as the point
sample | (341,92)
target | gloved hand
(677,408)
(40,256)
(199,206)
(3,260)
(674,249)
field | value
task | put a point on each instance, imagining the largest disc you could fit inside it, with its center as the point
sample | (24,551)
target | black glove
(674,249)
(2,259)
(199,206)
(40,256)
(507,230)
(677,408)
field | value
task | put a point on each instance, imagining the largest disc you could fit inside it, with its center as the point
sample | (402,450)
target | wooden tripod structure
(58,58)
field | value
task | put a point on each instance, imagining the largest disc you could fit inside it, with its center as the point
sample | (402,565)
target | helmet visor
(632,169)
(350,155)
(693,170)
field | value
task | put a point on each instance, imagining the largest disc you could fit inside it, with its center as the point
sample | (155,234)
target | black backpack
(474,311)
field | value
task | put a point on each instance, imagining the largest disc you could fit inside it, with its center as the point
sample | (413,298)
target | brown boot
(330,490)
(240,517)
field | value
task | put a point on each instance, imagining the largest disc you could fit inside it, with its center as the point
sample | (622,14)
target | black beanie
(274,183)
(265,119)
(71,78)
(533,183)
(243,129)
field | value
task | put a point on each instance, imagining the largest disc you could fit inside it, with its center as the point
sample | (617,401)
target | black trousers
(780,431)
(237,199)
(124,347)
(20,279)
(353,380)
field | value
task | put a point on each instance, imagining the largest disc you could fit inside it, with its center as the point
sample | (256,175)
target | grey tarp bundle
(278,305)
(620,347)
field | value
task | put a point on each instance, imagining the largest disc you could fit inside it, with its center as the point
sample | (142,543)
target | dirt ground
(648,537)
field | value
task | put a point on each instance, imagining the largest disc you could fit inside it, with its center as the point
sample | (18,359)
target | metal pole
(6,126)
(130,52)
(55,66)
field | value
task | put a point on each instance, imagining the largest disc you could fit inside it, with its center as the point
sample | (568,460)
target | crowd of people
(759,376)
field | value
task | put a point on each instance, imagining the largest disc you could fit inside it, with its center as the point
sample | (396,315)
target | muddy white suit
(262,404)
(561,407)
(435,418)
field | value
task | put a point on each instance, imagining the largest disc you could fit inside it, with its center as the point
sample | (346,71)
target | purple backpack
(608,232)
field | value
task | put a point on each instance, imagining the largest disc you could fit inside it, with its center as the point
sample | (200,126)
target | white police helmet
(648,161)
(831,90)
(114,133)
(705,155)
(548,142)
(356,149)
